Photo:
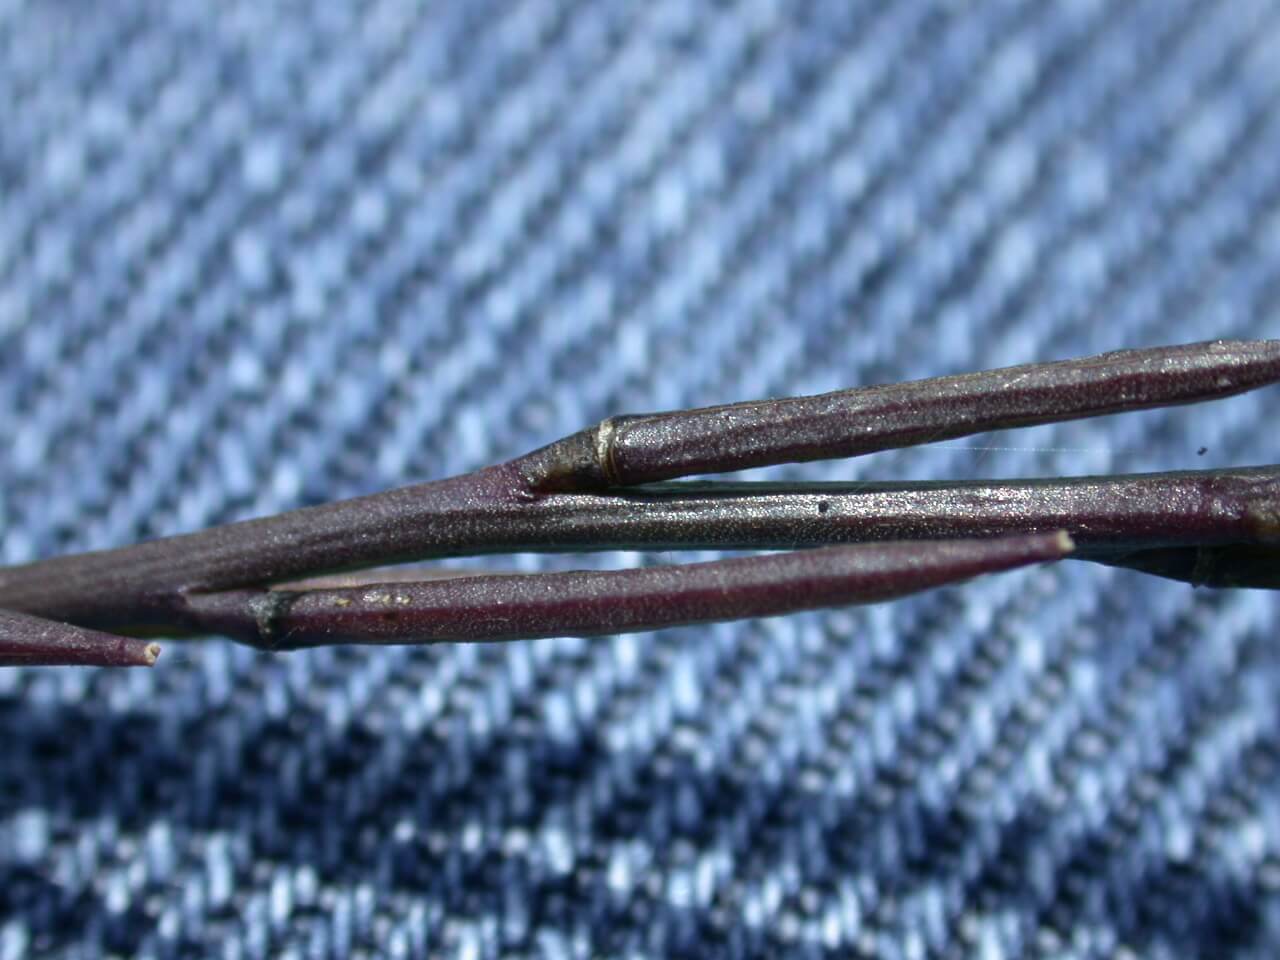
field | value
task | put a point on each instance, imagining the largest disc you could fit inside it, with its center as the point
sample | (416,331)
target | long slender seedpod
(593,602)
(596,490)
(33,640)
(630,450)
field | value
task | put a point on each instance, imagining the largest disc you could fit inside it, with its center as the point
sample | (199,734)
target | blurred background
(256,255)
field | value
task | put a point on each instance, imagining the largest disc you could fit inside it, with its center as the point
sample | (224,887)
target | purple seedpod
(593,602)
(35,641)
(604,488)
(630,450)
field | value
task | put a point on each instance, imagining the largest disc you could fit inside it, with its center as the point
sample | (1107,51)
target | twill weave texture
(256,255)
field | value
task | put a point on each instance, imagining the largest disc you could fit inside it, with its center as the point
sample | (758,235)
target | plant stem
(588,603)
(581,493)
(630,450)
(32,640)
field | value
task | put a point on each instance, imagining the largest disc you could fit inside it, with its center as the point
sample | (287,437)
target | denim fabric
(255,255)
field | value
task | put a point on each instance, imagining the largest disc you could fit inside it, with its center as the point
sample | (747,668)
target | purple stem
(147,585)
(588,603)
(33,640)
(629,450)
(1214,527)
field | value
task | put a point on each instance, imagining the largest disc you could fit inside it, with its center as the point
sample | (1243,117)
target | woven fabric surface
(256,255)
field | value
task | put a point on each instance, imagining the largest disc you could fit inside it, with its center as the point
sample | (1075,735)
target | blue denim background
(255,255)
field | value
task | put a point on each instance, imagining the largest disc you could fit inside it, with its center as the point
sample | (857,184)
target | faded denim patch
(255,255)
